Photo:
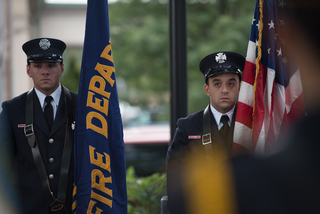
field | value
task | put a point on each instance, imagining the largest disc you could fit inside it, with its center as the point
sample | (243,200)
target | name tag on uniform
(194,136)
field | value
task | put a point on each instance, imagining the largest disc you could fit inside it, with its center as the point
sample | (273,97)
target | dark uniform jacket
(188,141)
(51,145)
(287,179)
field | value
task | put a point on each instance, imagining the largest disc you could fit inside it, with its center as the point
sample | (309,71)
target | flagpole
(178,63)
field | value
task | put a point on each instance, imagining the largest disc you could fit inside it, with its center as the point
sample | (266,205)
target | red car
(146,148)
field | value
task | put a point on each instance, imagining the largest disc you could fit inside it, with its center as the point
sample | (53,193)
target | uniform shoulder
(192,117)
(74,95)
(16,100)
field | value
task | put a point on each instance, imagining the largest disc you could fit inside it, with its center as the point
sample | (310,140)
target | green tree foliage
(144,193)
(139,38)
(218,25)
(140,41)
(139,31)
(71,75)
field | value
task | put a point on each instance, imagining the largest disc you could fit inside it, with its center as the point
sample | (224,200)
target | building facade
(22,20)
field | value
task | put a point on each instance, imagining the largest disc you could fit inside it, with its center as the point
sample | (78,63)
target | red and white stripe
(264,114)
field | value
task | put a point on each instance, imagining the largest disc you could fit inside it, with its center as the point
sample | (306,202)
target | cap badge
(221,57)
(44,44)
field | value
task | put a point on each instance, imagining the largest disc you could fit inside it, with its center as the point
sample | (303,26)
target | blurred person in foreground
(203,132)
(287,179)
(37,132)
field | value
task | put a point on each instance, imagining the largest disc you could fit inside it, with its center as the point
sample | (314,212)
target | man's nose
(224,88)
(45,69)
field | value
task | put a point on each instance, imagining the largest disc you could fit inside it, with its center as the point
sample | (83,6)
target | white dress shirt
(55,101)
(217,116)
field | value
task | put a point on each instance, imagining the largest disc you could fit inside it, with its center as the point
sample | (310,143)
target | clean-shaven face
(45,75)
(223,90)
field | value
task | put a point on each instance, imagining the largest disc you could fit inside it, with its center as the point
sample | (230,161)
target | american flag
(270,97)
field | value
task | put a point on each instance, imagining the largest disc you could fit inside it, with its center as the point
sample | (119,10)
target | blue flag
(100,172)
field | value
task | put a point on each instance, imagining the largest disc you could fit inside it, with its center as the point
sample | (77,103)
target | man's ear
(62,69)
(206,89)
(28,70)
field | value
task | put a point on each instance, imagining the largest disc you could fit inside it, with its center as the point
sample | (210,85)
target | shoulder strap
(34,147)
(55,204)
(28,129)
(206,137)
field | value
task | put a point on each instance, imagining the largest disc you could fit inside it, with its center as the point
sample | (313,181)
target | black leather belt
(56,204)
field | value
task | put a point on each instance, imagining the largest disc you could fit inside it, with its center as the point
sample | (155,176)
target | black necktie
(225,128)
(48,111)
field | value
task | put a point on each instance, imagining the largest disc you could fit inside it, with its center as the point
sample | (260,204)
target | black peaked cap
(44,50)
(222,62)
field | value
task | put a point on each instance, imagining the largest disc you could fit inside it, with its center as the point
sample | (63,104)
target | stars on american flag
(279,52)
(272,25)
(281,22)
(258,25)
(281,3)
(284,60)
(279,82)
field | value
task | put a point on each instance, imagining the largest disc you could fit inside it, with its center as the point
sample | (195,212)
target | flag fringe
(257,59)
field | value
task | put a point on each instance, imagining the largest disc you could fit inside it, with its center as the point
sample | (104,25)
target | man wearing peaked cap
(206,132)
(44,49)
(222,62)
(285,179)
(37,129)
